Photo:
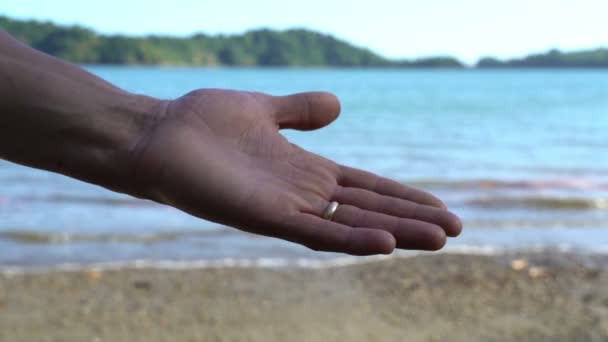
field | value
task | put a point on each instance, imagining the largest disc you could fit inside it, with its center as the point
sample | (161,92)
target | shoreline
(431,297)
(593,258)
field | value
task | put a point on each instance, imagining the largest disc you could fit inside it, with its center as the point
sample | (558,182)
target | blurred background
(498,107)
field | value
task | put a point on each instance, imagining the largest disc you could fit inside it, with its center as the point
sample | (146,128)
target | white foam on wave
(600,249)
(281,262)
(266,263)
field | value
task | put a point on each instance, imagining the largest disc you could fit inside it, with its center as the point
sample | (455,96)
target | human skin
(215,154)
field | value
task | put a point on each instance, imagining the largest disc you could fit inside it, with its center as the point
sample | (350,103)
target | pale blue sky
(466,29)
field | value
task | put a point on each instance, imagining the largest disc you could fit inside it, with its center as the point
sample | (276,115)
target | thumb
(306,111)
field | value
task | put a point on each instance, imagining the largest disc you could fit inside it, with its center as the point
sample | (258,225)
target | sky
(466,29)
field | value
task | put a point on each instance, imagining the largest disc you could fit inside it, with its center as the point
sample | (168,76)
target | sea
(520,155)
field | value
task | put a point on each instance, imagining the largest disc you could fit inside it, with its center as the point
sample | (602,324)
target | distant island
(263,47)
(597,58)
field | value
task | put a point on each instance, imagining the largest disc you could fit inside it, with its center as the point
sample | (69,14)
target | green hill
(597,58)
(264,47)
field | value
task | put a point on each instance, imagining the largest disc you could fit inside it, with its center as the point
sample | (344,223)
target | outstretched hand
(218,155)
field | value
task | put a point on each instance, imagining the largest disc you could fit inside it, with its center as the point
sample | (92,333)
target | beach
(431,297)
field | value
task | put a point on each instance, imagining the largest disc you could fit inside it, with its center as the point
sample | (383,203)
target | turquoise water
(519,155)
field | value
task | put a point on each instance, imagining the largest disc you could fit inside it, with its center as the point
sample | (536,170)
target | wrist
(134,117)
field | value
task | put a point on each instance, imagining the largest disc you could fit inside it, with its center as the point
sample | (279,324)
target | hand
(215,154)
(218,155)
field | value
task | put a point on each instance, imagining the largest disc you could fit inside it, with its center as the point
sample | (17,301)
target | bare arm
(215,154)
(58,117)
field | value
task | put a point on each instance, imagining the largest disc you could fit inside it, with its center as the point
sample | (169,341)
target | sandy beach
(442,297)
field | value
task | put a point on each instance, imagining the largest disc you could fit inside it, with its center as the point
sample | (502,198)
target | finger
(324,235)
(393,206)
(409,234)
(354,178)
(306,111)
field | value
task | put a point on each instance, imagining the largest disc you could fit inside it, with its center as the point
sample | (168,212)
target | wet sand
(557,297)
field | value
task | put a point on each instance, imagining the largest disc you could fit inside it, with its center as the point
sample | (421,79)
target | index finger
(355,178)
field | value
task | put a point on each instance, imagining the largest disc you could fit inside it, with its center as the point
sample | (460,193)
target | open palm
(218,155)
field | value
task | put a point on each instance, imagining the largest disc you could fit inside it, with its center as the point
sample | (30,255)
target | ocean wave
(540,202)
(306,263)
(489,184)
(535,222)
(89,200)
(284,262)
(35,237)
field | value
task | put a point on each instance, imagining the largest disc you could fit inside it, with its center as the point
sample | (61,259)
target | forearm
(58,117)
